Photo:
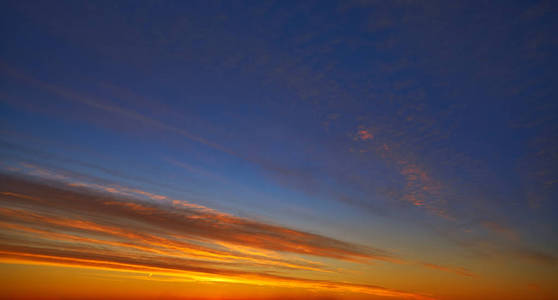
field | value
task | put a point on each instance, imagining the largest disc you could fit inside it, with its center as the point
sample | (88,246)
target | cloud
(96,103)
(459,271)
(244,247)
(534,255)
(183,220)
(364,135)
(184,270)
(418,187)
(501,229)
(56,223)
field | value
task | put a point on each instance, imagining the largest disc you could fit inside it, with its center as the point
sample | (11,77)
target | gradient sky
(279,150)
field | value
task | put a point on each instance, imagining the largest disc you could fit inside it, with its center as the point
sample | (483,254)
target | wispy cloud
(200,224)
(459,271)
(502,230)
(74,225)
(96,103)
(419,187)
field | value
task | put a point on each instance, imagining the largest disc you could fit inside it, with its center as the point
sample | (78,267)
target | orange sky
(125,248)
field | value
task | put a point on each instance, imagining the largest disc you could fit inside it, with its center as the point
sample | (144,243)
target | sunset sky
(246,150)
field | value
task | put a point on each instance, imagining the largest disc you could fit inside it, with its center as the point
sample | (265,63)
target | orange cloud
(69,225)
(62,208)
(189,272)
(459,271)
(500,229)
(420,189)
(143,241)
(364,135)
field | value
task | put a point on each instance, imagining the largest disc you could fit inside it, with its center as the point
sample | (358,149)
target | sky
(327,150)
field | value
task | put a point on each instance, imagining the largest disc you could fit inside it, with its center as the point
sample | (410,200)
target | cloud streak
(185,220)
(51,222)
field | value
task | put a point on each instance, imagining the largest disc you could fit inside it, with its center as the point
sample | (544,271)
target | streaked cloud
(75,225)
(501,229)
(459,271)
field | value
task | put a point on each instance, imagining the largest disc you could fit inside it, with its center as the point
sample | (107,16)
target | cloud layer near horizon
(53,222)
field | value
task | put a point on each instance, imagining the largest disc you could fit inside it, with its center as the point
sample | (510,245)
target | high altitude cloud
(69,224)
(182,221)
